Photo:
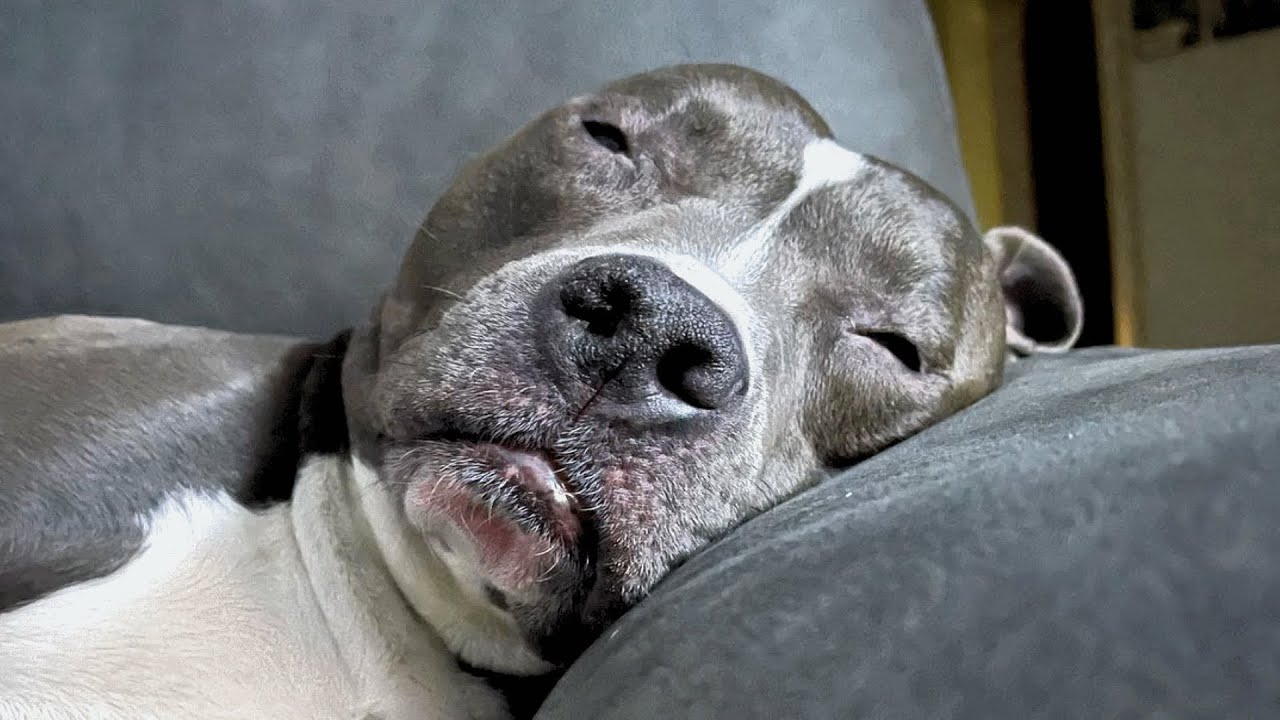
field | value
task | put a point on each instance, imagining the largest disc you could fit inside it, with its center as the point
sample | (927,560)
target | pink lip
(514,555)
(537,473)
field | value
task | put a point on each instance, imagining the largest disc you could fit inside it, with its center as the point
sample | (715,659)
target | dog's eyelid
(607,135)
(901,346)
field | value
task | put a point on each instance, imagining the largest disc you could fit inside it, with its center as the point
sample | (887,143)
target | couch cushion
(261,166)
(1099,538)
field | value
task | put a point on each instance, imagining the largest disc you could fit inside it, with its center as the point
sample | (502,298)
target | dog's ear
(1043,312)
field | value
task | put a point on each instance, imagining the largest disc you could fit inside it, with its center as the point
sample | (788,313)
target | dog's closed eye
(899,346)
(610,137)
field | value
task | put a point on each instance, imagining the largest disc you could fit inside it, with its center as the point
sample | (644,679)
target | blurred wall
(1206,143)
(1188,215)
(1193,181)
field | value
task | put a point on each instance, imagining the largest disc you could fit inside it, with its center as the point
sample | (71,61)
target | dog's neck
(397,639)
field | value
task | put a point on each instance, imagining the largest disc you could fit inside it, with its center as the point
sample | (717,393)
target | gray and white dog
(651,314)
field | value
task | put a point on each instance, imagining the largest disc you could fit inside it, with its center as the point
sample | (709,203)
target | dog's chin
(507,512)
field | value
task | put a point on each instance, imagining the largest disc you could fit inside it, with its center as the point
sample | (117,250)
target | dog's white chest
(215,618)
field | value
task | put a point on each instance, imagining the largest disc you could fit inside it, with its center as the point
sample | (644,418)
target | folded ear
(1043,312)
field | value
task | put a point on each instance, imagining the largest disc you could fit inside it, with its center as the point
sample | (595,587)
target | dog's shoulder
(104,420)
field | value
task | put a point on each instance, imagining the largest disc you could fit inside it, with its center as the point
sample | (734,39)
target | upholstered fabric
(1099,538)
(261,166)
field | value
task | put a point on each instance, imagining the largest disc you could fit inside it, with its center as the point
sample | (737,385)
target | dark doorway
(1065,129)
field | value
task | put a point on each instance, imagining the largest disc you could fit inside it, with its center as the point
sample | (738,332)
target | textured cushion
(261,166)
(1099,538)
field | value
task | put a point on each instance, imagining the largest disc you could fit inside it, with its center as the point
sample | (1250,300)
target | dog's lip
(541,475)
(531,467)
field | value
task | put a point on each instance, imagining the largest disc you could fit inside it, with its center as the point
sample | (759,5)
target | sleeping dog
(650,314)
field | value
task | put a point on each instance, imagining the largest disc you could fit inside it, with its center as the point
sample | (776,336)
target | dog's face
(653,313)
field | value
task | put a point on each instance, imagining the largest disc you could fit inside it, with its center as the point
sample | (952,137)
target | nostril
(697,376)
(602,306)
(640,339)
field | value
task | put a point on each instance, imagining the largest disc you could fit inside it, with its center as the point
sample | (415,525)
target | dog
(651,314)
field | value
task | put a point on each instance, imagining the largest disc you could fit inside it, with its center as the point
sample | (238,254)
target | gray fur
(103,419)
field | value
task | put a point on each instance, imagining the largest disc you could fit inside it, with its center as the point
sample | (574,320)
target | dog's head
(652,313)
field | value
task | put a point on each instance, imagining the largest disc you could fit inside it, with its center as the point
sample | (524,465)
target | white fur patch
(212,619)
(825,162)
(396,660)
(287,613)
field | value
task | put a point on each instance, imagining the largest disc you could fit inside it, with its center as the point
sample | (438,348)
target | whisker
(446,292)
(549,571)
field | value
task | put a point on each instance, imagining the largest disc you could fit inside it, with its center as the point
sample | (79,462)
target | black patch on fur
(496,597)
(322,416)
(524,693)
(302,415)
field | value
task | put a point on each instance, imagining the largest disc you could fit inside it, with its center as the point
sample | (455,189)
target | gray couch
(262,166)
(1096,539)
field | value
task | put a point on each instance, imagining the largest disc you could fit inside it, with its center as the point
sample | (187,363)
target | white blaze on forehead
(824,162)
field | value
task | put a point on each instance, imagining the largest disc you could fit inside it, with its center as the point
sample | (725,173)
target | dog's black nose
(637,335)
